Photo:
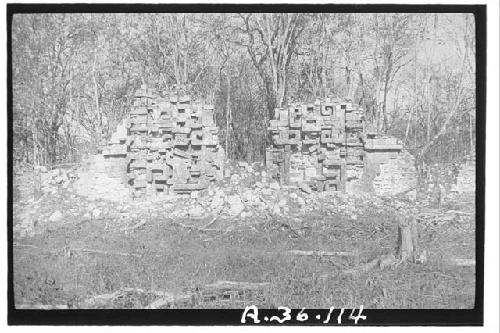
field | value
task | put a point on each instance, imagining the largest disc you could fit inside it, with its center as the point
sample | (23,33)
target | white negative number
(302,316)
(254,314)
(286,315)
(358,316)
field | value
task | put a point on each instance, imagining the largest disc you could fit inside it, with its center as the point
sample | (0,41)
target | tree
(458,86)
(271,42)
(75,74)
(393,39)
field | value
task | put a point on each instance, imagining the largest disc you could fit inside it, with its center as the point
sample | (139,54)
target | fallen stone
(250,197)
(421,258)
(236,206)
(54,173)
(196,211)
(72,176)
(96,213)
(40,168)
(56,216)
(45,178)
(266,191)
(217,202)
(243,165)
(276,210)
(274,186)
(306,188)
(235,179)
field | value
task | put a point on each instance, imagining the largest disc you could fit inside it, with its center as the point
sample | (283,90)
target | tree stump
(37,184)
(407,238)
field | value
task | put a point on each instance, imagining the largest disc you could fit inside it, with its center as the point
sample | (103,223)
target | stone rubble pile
(167,145)
(265,197)
(246,193)
(49,178)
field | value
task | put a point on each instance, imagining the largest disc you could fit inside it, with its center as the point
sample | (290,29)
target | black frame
(396,317)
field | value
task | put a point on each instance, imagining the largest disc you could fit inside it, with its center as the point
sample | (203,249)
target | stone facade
(326,146)
(168,144)
(319,144)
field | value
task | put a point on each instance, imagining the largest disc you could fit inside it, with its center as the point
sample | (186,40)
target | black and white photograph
(281,164)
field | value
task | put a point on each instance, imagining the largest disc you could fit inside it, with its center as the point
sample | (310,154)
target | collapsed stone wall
(396,174)
(326,147)
(101,179)
(466,178)
(168,144)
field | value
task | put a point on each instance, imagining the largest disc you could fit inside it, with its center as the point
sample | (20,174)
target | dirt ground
(142,252)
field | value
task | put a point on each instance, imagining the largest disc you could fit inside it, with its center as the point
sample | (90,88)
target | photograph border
(384,317)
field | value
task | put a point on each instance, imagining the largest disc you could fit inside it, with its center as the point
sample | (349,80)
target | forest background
(74,75)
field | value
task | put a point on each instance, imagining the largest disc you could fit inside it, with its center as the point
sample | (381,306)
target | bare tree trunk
(376,107)
(353,84)
(324,58)
(429,82)
(415,98)
(96,99)
(35,150)
(470,134)
(410,118)
(386,91)
(228,114)
(451,113)
(185,67)
(428,126)
(270,50)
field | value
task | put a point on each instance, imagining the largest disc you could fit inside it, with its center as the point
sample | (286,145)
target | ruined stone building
(168,144)
(326,146)
(466,178)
